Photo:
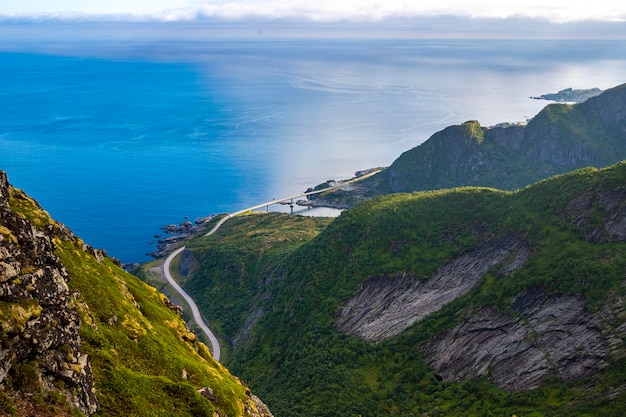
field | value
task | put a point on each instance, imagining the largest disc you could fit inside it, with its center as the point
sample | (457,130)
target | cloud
(373,10)
(315,10)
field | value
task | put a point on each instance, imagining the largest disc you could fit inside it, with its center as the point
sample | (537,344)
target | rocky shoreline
(187,229)
(178,233)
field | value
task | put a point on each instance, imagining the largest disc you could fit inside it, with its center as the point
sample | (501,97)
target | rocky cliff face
(453,155)
(386,306)
(39,323)
(548,336)
(612,224)
(609,108)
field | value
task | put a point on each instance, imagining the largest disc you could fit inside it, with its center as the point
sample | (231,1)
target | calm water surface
(116,140)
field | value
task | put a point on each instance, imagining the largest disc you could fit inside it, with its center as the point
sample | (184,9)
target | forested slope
(467,301)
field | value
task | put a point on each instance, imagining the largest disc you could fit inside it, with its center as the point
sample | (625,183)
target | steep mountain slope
(467,301)
(82,336)
(561,138)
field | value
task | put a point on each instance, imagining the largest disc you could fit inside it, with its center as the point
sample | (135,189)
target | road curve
(215,346)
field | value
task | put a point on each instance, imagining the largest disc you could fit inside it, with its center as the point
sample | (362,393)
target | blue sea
(116,139)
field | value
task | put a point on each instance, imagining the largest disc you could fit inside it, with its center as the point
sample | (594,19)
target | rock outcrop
(39,324)
(254,407)
(145,359)
(386,306)
(548,336)
(612,224)
(520,345)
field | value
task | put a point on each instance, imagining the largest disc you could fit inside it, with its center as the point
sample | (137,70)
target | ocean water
(118,139)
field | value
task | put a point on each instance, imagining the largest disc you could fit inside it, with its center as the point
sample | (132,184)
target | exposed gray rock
(99,254)
(175,308)
(385,306)
(546,142)
(254,407)
(551,336)
(4,190)
(508,135)
(607,226)
(37,320)
(187,263)
(244,335)
(207,393)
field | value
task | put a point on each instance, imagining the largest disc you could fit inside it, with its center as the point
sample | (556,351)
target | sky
(48,21)
(557,11)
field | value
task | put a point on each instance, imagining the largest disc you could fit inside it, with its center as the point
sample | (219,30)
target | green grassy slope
(279,306)
(145,361)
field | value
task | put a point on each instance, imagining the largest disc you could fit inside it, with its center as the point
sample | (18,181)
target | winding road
(215,346)
(197,317)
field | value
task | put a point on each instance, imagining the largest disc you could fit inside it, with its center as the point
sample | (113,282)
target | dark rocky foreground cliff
(559,139)
(81,336)
(466,301)
(37,316)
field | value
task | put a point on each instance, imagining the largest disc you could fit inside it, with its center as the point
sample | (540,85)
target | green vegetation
(13,316)
(139,349)
(272,286)
(145,361)
(248,248)
(29,209)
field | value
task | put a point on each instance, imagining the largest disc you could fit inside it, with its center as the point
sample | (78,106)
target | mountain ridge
(559,139)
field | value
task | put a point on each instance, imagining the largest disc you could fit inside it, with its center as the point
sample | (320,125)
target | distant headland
(570,95)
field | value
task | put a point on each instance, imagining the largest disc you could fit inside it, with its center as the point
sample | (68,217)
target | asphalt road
(215,346)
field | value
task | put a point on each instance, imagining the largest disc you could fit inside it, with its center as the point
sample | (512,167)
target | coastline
(309,207)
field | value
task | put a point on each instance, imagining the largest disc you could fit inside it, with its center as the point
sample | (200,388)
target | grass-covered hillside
(459,302)
(144,360)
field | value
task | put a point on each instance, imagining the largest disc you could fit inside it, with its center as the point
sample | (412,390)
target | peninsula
(570,95)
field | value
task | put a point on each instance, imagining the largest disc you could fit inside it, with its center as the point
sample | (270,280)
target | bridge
(290,200)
